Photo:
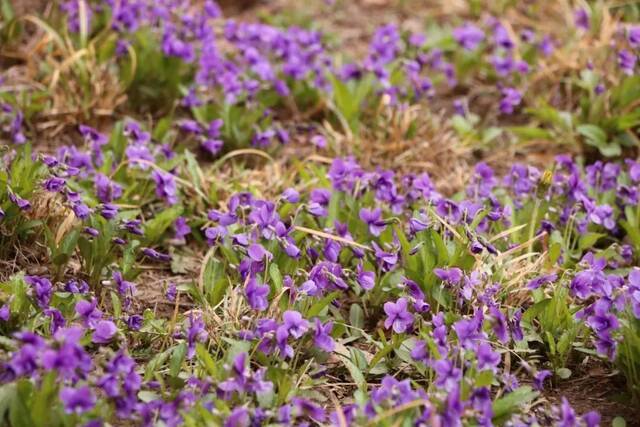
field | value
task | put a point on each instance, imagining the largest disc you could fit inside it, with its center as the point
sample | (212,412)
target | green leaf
(316,308)
(7,12)
(513,401)
(594,134)
(484,378)
(381,354)
(177,357)
(7,394)
(276,278)
(563,373)
(555,250)
(618,422)
(356,317)
(194,169)
(19,414)
(587,240)
(236,348)
(215,283)
(155,227)
(117,306)
(154,364)
(490,134)
(44,399)
(207,361)
(536,309)
(597,137)
(354,371)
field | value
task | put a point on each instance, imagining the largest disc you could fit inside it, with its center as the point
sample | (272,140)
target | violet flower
(322,336)
(104,332)
(373,218)
(449,275)
(106,189)
(468,36)
(511,98)
(165,186)
(627,61)
(77,400)
(539,377)
(398,316)
(257,295)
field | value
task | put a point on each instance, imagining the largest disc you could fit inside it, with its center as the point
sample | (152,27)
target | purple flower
(511,98)
(539,377)
(546,46)
(263,138)
(487,358)
(81,210)
(154,254)
(5,312)
(213,146)
(290,195)
(468,36)
(57,319)
(568,416)
(181,227)
(591,419)
(215,234)
(627,61)
(589,281)
(42,289)
(366,279)
(134,322)
(172,292)
(420,352)
(603,215)
(322,336)
(257,252)
(501,37)
(545,279)
(319,201)
(91,231)
(500,327)
(373,218)
(54,184)
(106,189)
(468,331)
(21,203)
(104,332)
(68,357)
(257,295)
(447,374)
(398,316)
(516,328)
(449,275)
(319,141)
(124,287)
(109,211)
(602,320)
(88,312)
(304,407)
(77,286)
(388,260)
(239,417)
(165,186)
(581,19)
(195,333)
(634,291)
(77,400)
(294,323)
(633,35)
